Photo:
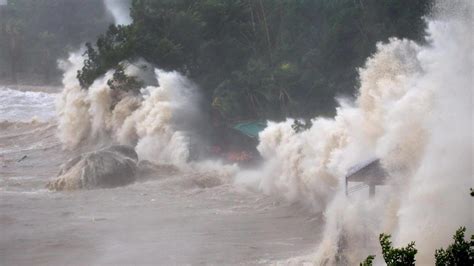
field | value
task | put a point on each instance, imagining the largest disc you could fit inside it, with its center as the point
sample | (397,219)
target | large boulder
(110,167)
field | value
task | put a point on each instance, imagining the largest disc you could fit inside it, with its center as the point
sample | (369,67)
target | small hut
(370,173)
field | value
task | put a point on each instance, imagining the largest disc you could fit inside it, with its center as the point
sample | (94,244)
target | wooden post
(371,190)
(347,188)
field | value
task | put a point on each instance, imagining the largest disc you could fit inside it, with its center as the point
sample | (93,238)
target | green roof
(250,129)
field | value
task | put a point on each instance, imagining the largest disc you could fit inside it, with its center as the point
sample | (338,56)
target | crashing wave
(414,112)
(157,121)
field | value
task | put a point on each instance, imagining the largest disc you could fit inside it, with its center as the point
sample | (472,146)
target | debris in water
(22,158)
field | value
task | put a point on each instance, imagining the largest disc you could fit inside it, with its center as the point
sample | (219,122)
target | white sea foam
(159,121)
(25,106)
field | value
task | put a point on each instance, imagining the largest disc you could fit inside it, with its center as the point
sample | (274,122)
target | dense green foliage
(34,34)
(301,125)
(259,58)
(121,81)
(112,48)
(393,256)
(368,261)
(397,256)
(461,252)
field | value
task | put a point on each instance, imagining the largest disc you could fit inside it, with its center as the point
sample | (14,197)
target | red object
(216,149)
(242,156)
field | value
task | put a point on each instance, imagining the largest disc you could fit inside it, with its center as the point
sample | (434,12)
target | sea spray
(72,105)
(151,120)
(158,122)
(163,120)
(414,111)
(437,201)
(119,10)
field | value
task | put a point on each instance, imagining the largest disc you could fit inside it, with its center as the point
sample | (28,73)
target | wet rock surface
(110,167)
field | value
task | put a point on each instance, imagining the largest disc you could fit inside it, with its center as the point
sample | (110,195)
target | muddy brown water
(168,220)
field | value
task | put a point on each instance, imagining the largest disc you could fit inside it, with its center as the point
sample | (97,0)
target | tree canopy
(259,58)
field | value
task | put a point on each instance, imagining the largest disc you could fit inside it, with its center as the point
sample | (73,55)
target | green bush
(461,252)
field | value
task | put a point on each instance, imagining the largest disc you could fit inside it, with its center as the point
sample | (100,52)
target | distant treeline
(34,34)
(259,58)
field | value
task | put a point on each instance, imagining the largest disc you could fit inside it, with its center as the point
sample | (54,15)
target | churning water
(25,106)
(413,111)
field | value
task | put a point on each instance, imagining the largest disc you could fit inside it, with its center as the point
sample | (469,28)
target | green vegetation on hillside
(259,58)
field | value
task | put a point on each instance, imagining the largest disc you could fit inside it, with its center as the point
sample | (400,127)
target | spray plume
(414,112)
(151,120)
(119,10)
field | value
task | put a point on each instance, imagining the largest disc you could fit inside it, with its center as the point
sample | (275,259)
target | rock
(110,167)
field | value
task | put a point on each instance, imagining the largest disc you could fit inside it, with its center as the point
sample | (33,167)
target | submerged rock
(110,167)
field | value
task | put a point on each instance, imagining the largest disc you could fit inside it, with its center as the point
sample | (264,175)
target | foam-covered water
(24,106)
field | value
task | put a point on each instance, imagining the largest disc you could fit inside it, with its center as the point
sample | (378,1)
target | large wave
(414,112)
(156,120)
